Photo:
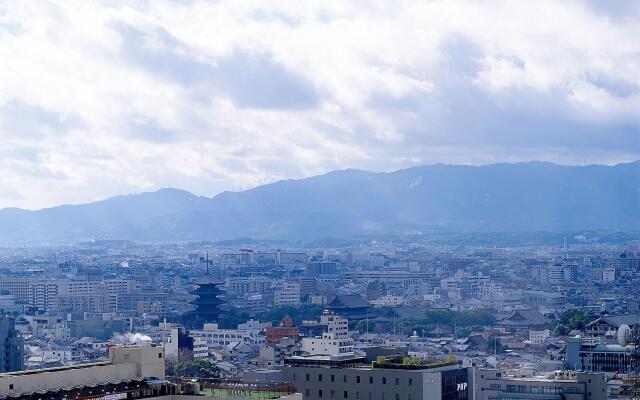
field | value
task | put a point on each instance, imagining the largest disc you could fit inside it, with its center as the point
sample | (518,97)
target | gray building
(11,347)
(345,377)
(492,384)
(539,298)
(589,354)
(95,328)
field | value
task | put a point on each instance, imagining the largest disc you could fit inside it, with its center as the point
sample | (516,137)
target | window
(11,386)
(495,386)
(358,379)
(307,393)
(410,381)
(319,377)
(159,355)
(357,395)
(333,394)
(397,381)
(344,378)
(345,395)
(319,392)
(308,378)
(371,379)
(333,378)
(397,396)
(384,380)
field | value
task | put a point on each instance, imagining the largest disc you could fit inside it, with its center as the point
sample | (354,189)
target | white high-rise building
(44,296)
(335,324)
(335,341)
(327,345)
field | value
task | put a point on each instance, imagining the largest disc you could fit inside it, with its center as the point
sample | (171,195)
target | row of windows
(344,379)
(534,389)
(345,395)
(223,335)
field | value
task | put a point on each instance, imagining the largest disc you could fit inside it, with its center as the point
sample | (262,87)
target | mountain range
(520,197)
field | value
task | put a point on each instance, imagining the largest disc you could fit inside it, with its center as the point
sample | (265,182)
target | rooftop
(55,369)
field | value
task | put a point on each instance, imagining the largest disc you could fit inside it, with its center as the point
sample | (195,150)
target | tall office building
(11,347)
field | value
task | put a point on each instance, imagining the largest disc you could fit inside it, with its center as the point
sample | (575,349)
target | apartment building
(288,296)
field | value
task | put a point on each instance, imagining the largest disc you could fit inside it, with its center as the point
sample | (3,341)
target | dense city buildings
(519,317)
(319,200)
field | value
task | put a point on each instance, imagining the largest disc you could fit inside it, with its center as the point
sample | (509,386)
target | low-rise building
(347,377)
(492,384)
(128,369)
(589,354)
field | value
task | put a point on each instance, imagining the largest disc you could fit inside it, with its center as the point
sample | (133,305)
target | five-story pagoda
(207,302)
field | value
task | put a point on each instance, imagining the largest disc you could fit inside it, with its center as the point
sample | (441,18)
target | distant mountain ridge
(532,196)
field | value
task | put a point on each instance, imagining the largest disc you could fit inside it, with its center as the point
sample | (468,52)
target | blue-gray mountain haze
(531,196)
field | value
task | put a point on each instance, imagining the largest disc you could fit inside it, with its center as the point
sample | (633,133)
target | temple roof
(348,301)
(207,279)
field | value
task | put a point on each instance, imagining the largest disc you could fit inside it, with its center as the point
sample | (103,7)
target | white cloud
(103,99)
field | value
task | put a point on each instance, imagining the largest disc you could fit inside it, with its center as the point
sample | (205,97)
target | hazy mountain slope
(121,216)
(438,198)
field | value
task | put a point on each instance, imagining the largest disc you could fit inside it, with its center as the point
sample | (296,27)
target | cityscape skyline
(304,200)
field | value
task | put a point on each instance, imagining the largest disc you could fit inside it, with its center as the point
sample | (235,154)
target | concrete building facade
(364,382)
(492,384)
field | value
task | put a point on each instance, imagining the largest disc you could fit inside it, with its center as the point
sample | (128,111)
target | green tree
(459,318)
(574,319)
(197,368)
(411,361)
(361,326)
(297,314)
(561,330)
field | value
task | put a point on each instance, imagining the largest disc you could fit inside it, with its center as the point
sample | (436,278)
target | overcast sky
(121,98)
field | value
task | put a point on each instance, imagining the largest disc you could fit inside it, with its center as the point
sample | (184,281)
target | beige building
(125,364)
(132,372)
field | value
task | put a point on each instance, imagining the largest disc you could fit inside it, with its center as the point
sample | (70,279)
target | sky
(105,98)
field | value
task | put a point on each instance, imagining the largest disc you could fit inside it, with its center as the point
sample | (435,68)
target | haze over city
(329,200)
